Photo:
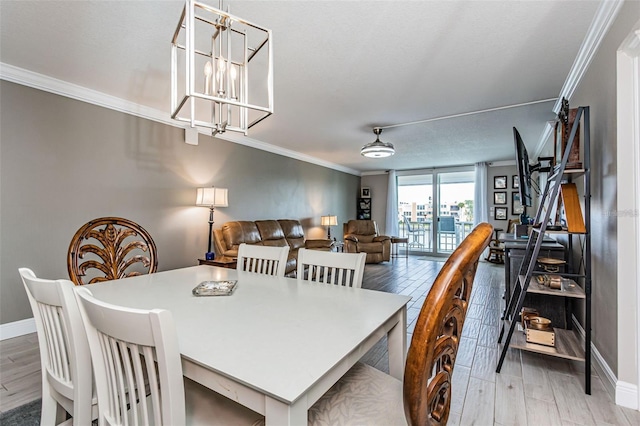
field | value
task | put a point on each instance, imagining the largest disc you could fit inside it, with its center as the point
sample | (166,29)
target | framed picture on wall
(516,206)
(500,213)
(365,193)
(500,197)
(499,182)
(515,181)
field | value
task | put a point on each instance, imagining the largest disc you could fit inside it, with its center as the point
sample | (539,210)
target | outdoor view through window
(448,204)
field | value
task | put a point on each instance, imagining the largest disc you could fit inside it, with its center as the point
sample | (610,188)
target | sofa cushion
(370,247)
(294,234)
(236,233)
(271,233)
(362,227)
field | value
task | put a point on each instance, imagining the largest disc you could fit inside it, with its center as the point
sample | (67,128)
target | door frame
(628,218)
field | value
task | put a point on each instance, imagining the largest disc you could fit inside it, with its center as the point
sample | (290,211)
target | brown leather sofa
(362,236)
(275,233)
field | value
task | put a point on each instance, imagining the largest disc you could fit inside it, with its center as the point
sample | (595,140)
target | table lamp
(211,197)
(329,221)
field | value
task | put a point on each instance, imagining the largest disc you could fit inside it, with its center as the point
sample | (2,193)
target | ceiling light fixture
(377,149)
(210,74)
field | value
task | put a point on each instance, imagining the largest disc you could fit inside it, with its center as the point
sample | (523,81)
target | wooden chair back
(114,248)
(128,348)
(434,345)
(263,259)
(64,350)
(325,267)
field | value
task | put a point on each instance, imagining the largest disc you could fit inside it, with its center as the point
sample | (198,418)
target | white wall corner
(627,395)
(17,328)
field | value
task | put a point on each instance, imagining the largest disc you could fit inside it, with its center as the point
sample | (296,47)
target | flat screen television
(524,170)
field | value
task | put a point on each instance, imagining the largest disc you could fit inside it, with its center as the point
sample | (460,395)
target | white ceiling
(341,68)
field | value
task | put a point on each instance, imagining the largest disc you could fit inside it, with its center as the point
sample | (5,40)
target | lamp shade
(212,197)
(329,220)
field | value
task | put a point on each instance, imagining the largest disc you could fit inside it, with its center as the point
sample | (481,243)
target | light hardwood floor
(531,389)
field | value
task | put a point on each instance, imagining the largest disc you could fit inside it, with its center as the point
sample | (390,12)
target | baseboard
(627,395)
(603,370)
(17,328)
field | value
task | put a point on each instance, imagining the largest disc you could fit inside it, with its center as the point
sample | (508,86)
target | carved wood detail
(113,242)
(432,354)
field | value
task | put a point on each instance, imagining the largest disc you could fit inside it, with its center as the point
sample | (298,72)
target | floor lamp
(329,221)
(211,197)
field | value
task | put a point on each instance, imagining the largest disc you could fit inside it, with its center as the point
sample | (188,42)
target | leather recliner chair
(362,236)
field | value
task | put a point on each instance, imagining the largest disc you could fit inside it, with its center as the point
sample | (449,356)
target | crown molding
(254,143)
(63,88)
(602,21)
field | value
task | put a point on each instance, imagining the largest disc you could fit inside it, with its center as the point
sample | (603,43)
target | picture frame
(500,197)
(365,192)
(499,182)
(500,213)
(516,207)
(515,182)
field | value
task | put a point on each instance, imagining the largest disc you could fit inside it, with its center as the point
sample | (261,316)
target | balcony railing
(420,238)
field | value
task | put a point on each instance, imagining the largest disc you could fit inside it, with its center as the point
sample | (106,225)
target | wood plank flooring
(532,389)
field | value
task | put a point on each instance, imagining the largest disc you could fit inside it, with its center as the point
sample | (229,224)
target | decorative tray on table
(215,288)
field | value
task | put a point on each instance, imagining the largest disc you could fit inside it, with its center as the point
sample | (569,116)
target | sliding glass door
(415,208)
(455,208)
(435,208)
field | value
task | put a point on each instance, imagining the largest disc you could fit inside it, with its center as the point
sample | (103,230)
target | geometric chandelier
(221,70)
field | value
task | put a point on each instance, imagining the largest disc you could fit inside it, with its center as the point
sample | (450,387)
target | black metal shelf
(568,344)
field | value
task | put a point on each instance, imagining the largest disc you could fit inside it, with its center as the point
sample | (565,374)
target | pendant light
(377,149)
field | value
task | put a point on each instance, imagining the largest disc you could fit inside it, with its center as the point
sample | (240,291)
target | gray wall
(598,90)
(65,162)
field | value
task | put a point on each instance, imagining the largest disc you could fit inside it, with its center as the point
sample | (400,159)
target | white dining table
(275,345)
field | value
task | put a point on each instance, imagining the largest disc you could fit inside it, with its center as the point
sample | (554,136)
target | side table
(395,251)
(223,262)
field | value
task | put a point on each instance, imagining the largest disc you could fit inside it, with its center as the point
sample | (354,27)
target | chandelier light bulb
(208,72)
(220,74)
(233,74)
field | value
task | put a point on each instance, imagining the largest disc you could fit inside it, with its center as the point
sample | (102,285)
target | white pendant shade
(377,149)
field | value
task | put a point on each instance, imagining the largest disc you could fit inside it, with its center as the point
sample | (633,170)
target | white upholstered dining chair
(367,396)
(131,347)
(345,269)
(64,351)
(266,260)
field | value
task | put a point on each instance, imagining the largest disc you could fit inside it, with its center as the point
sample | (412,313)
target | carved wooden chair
(496,247)
(114,248)
(368,396)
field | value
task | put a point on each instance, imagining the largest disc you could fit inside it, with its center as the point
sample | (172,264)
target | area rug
(24,415)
